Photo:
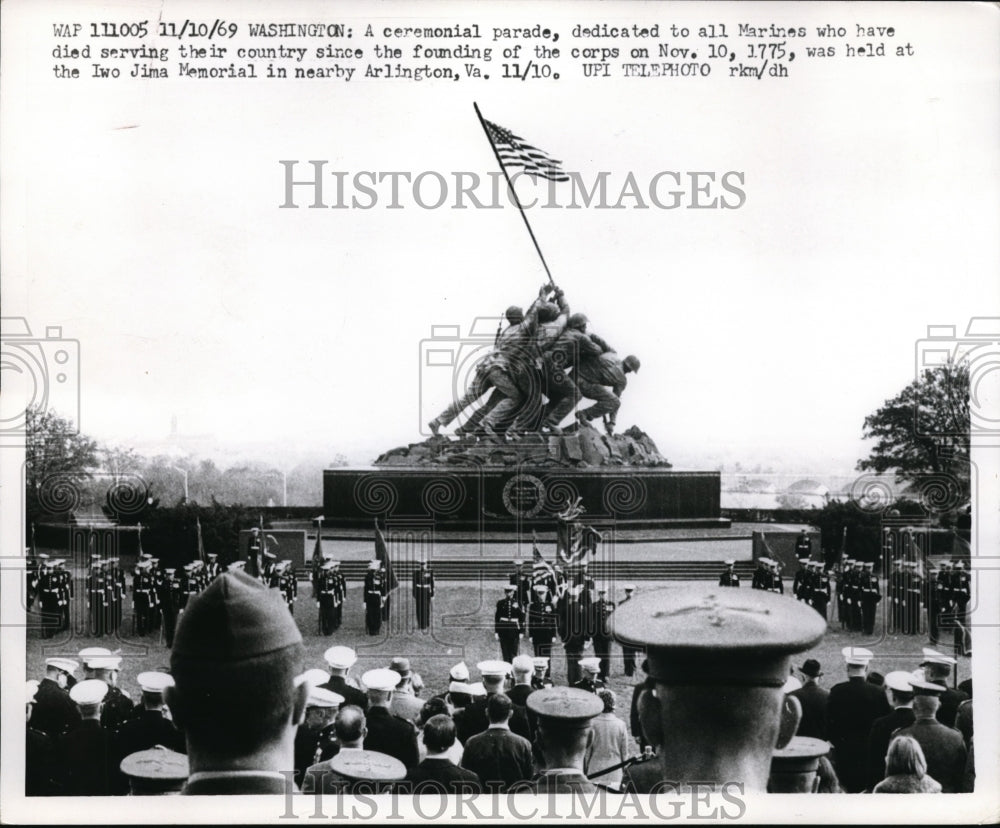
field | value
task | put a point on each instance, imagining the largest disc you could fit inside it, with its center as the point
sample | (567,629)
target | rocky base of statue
(578,446)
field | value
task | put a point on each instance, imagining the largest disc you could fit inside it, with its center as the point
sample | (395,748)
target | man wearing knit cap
(340,660)
(899,693)
(387,733)
(564,717)
(853,707)
(944,748)
(237,634)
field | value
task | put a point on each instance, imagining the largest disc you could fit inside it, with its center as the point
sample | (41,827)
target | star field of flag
(514,152)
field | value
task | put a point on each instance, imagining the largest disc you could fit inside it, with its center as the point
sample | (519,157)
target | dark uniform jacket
(391,735)
(851,709)
(447,776)
(499,758)
(86,762)
(879,738)
(351,694)
(39,767)
(144,730)
(950,700)
(814,700)
(54,712)
(309,743)
(944,750)
(116,710)
(563,782)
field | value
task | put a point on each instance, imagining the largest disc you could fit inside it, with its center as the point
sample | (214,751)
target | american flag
(514,152)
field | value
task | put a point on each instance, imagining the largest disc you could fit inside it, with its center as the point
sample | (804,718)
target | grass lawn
(462,631)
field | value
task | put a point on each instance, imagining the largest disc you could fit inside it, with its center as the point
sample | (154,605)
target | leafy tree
(924,430)
(58,463)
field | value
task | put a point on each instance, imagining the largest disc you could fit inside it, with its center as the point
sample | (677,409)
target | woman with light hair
(906,769)
(609,744)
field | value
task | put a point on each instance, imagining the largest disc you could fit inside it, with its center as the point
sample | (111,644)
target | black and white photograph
(504,411)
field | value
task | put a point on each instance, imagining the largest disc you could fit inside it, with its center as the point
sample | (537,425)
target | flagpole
(513,193)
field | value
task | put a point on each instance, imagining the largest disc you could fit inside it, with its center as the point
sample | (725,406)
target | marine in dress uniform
(170,603)
(894,594)
(761,574)
(339,595)
(54,711)
(212,568)
(871,595)
(326,594)
(774,583)
(728,578)
(852,708)
(961,596)
(142,597)
(96,596)
(541,622)
(576,625)
(39,758)
(590,681)
(374,597)
(148,726)
(914,593)
(803,546)
(508,624)
(66,592)
(521,581)
(288,586)
(540,679)
(388,734)
(48,595)
(629,652)
(85,763)
(340,659)
(564,716)
(315,740)
(820,598)
(600,612)
(423,592)
(100,664)
(474,718)
(801,580)
(937,668)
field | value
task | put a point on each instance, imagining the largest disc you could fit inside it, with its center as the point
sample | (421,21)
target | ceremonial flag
(541,569)
(513,151)
(201,542)
(317,557)
(382,553)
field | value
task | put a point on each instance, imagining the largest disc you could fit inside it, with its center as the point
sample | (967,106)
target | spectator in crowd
(499,758)
(943,747)
(354,769)
(387,733)
(38,756)
(899,693)
(437,707)
(564,731)
(813,699)
(609,745)
(437,773)
(405,704)
(906,769)
(85,758)
(236,655)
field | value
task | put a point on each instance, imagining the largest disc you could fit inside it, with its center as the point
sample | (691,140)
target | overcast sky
(148,227)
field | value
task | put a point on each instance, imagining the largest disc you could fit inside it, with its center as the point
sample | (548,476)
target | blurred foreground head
(235,659)
(718,659)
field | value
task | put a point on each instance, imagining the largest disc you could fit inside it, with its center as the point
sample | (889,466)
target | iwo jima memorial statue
(530,436)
